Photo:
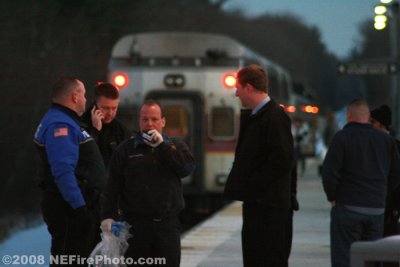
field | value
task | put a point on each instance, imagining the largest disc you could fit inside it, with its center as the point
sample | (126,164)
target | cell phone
(147,137)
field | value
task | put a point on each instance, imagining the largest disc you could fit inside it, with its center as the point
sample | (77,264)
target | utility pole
(391,8)
(394,54)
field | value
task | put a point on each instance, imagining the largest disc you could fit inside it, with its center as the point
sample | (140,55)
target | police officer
(107,130)
(73,172)
(145,184)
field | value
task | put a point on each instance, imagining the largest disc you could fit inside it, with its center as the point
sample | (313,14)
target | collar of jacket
(67,111)
(139,139)
(265,108)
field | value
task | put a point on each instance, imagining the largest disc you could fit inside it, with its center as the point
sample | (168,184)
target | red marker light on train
(307,109)
(229,81)
(120,80)
(291,109)
(315,110)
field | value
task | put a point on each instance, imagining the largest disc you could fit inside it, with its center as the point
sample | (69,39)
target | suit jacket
(262,167)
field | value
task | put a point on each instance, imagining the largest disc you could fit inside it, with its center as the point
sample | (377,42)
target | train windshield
(177,121)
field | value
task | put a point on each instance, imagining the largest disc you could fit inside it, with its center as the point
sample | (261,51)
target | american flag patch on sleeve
(60,132)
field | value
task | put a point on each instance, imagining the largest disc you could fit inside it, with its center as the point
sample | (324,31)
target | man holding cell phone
(102,123)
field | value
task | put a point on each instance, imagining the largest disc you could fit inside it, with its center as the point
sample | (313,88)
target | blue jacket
(72,162)
(361,163)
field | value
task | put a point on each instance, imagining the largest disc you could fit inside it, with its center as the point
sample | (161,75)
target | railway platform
(216,242)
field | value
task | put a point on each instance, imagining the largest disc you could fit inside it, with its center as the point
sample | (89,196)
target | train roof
(207,46)
(182,44)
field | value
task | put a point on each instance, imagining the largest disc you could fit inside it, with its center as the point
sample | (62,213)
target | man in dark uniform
(73,172)
(107,130)
(357,167)
(261,172)
(145,184)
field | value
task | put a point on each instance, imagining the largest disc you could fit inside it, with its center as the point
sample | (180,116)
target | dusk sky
(338,20)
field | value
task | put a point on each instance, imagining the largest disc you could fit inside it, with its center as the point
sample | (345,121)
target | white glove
(156,138)
(106,225)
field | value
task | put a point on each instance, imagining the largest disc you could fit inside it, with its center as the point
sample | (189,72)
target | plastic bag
(110,250)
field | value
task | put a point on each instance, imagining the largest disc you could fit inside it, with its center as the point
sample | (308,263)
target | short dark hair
(107,90)
(152,102)
(383,115)
(254,75)
(64,86)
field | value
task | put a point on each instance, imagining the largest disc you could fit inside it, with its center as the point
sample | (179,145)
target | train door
(183,111)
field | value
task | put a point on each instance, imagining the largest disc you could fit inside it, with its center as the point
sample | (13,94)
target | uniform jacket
(146,181)
(361,163)
(262,166)
(72,163)
(109,137)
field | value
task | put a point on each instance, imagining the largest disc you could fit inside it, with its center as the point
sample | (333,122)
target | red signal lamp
(229,81)
(120,80)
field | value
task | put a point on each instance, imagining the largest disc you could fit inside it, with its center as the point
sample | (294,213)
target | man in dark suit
(261,172)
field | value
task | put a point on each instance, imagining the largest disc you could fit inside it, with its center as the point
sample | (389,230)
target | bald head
(358,111)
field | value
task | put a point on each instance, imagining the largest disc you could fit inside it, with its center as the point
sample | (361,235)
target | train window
(222,122)
(177,121)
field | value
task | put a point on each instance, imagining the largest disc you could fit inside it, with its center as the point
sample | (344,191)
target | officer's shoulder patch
(59,132)
(85,134)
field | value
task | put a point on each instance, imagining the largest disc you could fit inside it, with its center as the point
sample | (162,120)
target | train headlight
(229,81)
(174,80)
(120,80)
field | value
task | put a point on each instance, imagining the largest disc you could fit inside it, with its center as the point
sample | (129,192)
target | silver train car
(193,76)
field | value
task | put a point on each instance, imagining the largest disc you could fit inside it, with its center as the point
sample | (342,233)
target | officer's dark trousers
(69,236)
(152,239)
(265,235)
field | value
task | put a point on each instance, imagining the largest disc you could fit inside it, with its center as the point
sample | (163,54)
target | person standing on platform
(102,123)
(145,185)
(73,173)
(381,118)
(355,173)
(261,171)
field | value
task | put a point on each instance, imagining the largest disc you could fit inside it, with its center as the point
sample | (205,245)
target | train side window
(177,121)
(222,123)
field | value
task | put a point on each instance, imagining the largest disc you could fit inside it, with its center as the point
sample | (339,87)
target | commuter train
(193,76)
